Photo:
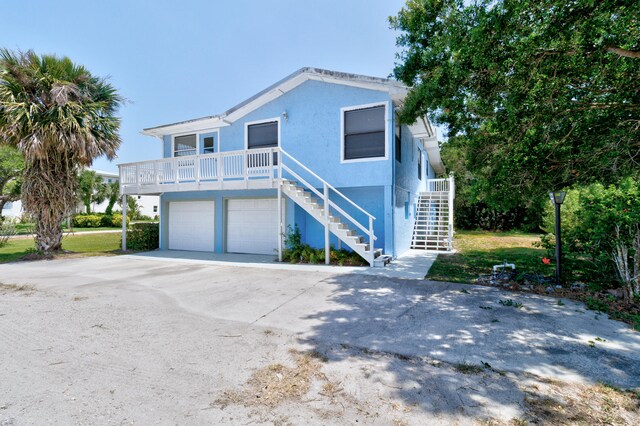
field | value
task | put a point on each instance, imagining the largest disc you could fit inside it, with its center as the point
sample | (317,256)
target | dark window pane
(185,143)
(366,145)
(263,135)
(364,133)
(364,120)
(208,145)
(419,164)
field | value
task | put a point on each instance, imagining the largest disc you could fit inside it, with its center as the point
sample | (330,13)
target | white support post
(327,248)
(280,215)
(371,240)
(124,222)
(452,195)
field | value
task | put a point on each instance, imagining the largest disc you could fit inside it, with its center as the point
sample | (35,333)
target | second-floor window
(364,133)
(185,145)
(419,164)
(262,135)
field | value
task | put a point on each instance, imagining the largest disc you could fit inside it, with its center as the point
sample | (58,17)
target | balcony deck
(246,169)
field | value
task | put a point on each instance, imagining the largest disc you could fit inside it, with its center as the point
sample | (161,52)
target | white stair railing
(329,204)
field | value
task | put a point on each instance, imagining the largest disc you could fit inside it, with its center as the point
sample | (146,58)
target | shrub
(601,229)
(106,221)
(143,236)
(87,221)
(116,220)
(297,252)
(7,230)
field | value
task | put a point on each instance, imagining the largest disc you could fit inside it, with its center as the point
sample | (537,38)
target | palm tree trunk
(48,195)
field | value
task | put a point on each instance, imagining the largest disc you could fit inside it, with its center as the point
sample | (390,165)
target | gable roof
(421,129)
(396,89)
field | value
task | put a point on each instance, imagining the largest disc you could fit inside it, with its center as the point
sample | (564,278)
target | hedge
(143,236)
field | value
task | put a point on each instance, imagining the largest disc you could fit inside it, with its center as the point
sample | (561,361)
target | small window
(184,145)
(109,180)
(398,141)
(419,164)
(364,133)
(155,209)
(208,147)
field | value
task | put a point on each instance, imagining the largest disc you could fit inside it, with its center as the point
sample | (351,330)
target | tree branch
(623,52)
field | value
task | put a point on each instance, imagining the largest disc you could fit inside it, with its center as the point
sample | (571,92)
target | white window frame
(198,143)
(251,123)
(386,132)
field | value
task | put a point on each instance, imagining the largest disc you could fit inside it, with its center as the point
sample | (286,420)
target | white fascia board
(423,130)
(433,151)
(199,125)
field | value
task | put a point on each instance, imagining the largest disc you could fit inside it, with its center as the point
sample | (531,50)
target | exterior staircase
(313,205)
(433,228)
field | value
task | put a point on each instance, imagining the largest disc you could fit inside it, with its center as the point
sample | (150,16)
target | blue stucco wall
(376,200)
(407,188)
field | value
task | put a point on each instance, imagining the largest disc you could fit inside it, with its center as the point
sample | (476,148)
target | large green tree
(11,167)
(545,92)
(61,118)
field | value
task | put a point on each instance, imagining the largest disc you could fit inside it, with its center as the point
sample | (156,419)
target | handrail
(328,184)
(331,203)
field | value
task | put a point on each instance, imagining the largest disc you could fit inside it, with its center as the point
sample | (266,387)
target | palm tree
(61,118)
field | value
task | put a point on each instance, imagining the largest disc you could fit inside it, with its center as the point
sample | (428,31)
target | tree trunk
(48,194)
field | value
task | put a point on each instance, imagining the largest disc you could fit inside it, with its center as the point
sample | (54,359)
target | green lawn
(478,251)
(88,245)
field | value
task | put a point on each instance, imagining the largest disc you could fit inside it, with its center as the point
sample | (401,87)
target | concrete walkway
(67,233)
(414,264)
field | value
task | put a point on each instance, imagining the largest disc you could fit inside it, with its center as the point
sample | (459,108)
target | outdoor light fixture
(285,115)
(557,197)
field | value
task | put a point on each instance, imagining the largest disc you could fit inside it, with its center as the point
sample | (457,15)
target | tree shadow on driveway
(419,324)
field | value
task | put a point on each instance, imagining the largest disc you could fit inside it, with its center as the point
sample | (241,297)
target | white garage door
(191,225)
(252,226)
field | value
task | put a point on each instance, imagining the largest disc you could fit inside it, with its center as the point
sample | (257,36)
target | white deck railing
(167,174)
(438,185)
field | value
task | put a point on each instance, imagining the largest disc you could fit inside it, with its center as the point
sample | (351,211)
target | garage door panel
(252,226)
(191,225)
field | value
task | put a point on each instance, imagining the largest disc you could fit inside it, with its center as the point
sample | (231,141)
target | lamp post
(557,197)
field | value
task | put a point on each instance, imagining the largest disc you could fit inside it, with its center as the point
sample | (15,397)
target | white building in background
(12,209)
(148,203)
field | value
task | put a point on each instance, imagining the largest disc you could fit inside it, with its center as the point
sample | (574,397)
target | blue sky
(177,60)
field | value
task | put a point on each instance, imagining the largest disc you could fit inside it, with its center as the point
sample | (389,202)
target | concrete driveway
(160,328)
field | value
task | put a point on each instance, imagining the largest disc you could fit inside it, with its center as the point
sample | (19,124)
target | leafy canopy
(545,91)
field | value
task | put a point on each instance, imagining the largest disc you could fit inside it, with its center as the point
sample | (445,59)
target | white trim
(250,123)
(386,132)
(198,144)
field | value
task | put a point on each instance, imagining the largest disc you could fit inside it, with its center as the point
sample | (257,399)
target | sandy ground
(116,351)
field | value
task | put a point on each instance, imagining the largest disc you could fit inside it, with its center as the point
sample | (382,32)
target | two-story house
(320,149)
